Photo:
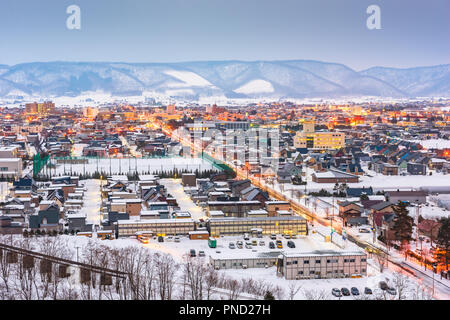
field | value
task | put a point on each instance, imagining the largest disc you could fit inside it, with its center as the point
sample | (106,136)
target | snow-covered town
(335,206)
(224,159)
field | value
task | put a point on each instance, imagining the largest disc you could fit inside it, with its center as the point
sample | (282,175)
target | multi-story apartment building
(318,140)
(10,167)
(44,108)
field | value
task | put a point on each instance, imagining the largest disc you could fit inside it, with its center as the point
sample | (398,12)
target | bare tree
(166,269)
(278,292)
(418,292)
(293,288)
(401,283)
(315,294)
(382,260)
(5,266)
(211,281)
(195,272)
(233,287)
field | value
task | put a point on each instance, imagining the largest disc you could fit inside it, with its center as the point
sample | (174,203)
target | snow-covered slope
(233,79)
(256,86)
(421,82)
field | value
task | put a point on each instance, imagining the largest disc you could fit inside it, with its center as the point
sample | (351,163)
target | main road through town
(441,290)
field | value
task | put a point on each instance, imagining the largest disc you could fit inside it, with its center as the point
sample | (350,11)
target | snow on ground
(4,190)
(92,202)
(77,149)
(141,165)
(434,143)
(185,203)
(325,285)
(179,249)
(379,182)
(430,211)
(255,86)
(190,79)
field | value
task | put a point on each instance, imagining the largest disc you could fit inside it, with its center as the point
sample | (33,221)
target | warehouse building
(244,260)
(265,225)
(127,228)
(322,264)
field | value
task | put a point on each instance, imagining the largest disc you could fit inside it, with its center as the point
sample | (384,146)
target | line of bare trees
(149,275)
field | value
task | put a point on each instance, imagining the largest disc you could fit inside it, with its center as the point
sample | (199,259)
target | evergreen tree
(403,225)
(364,197)
(443,240)
(269,296)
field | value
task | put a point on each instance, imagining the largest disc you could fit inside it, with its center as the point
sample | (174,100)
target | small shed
(199,235)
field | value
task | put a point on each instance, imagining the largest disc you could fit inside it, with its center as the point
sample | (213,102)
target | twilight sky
(414,32)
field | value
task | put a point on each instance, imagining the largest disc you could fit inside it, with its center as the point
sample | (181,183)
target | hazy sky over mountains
(414,32)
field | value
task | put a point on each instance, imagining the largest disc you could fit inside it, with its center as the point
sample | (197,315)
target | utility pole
(77,252)
(434,270)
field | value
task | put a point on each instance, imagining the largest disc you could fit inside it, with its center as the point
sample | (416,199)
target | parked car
(383,285)
(354,291)
(201,253)
(271,245)
(336,292)
(177,239)
(248,246)
(273,237)
(240,244)
(169,238)
(367,290)
(279,244)
(345,291)
(262,243)
(364,230)
(246,236)
(254,243)
(392,291)
(192,253)
(231,245)
(160,239)
(291,244)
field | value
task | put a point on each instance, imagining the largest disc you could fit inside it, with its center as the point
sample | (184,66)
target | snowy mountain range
(232,79)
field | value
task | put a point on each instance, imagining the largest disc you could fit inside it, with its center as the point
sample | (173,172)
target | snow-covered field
(4,190)
(131,165)
(91,202)
(434,143)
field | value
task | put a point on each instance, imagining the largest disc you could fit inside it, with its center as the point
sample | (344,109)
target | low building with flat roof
(127,228)
(320,264)
(268,225)
(249,260)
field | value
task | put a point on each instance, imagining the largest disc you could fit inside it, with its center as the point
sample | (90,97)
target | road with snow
(92,202)
(185,203)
